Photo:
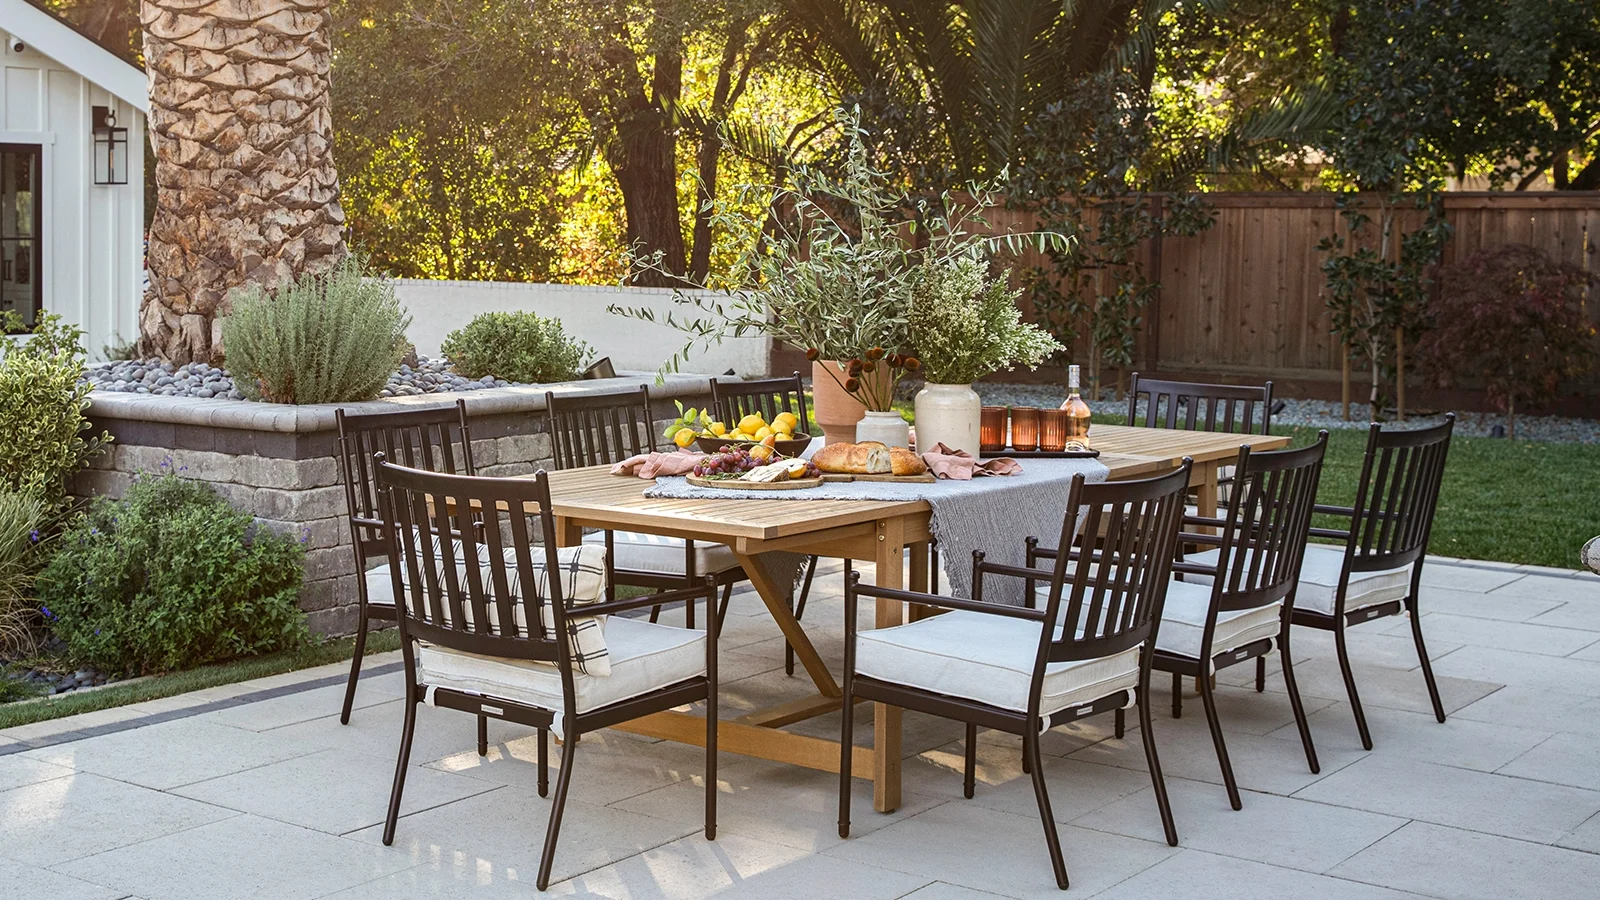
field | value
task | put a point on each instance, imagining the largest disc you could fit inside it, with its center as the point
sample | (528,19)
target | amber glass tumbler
(1025,428)
(1052,430)
(992,429)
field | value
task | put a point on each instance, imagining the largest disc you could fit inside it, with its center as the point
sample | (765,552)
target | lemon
(684,437)
(786,418)
(762,433)
(719,429)
(752,423)
(784,428)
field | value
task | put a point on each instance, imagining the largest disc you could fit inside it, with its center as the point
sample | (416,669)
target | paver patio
(256,791)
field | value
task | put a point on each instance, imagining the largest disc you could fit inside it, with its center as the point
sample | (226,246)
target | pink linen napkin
(650,465)
(959,465)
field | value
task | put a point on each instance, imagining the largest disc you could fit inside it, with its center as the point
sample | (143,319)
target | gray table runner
(992,514)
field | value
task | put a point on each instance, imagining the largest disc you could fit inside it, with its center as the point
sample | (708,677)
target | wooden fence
(1245,300)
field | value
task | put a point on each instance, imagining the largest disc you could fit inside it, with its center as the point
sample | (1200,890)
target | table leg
(1205,477)
(776,598)
(568,533)
(919,577)
(886,719)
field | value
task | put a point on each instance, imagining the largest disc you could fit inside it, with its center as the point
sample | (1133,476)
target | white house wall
(93,234)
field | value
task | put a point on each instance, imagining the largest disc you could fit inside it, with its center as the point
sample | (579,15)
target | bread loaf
(865,458)
(907,463)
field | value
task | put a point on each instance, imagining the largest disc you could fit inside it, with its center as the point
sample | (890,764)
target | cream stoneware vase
(889,428)
(948,414)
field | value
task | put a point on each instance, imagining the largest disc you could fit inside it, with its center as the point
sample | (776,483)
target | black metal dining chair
(1194,406)
(434,439)
(604,429)
(497,625)
(1228,605)
(1377,572)
(1020,669)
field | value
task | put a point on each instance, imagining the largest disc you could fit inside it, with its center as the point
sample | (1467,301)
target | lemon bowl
(790,447)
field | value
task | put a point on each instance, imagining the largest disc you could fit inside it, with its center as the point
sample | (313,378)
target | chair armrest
(1339,533)
(707,591)
(1205,520)
(1189,568)
(942,602)
(1213,540)
(1347,511)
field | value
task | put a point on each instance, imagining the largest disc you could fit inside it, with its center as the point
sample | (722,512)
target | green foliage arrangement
(329,337)
(516,346)
(42,401)
(965,324)
(1513,319)
(21,518)
(171,577)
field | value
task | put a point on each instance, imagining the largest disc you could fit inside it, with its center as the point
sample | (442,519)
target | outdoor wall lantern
(110,148)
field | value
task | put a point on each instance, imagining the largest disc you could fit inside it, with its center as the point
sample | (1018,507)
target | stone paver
(273,798)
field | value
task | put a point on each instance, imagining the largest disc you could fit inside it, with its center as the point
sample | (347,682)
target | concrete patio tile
(1565,758)
(737,866)
(54,728)
(1075,787)
(1585,588)
(65,818)
(1194,875)
(1460,798)
(331,791)
(1501,607)
(1458,741)
(1591,652)
(776,803)
(941,891)
(375,731)
(1543,710)
(1470,578)
(145,756)
(1441,630)
(1295,834)
(1573,676)
(1369,646)
(1582,615)
(17,770)
(242,858)
(24,882)
(988,850)
(499,836)
(1585,837)
(432,881)
(1468,865)
(1386,687)
(1239,706)
(612,766)
(1186,751)
(317,703)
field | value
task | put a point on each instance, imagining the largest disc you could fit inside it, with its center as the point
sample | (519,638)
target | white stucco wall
(93,235)
(440,307)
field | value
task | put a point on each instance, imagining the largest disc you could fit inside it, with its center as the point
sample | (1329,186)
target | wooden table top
(594,497)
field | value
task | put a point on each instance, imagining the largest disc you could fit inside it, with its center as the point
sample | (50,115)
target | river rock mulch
(198,380)
(44,678)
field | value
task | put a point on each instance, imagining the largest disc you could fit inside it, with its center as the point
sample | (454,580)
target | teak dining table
(880,532)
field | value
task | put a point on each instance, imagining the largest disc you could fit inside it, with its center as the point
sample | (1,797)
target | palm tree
(245,184)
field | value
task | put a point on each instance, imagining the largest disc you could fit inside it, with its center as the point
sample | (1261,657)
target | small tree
(1512,319)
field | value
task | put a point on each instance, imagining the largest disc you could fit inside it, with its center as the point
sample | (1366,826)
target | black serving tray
(1039,454)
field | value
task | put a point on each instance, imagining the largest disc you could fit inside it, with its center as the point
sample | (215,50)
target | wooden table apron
(869,530)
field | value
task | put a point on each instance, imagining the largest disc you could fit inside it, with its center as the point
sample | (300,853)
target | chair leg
(933,566)
(1177,696)
(1121,724)
(568,753)
(483,735)
(969,782)
(355,670)
(799,613)
(1261,674)
(1154,763)
(400,769)
(1350,685)
(1427,665)
(655,614)
(1210,702)
(712,722)
(727,596)
(1030,751)
(544,762)
(1294,701)
(846,756)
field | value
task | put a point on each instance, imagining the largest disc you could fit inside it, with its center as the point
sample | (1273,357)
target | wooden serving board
(924,478)
(734,484)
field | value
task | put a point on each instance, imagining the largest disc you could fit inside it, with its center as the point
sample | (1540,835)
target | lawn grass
(71,704)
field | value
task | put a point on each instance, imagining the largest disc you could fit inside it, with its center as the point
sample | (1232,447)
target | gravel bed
(1327,414)
(428,376)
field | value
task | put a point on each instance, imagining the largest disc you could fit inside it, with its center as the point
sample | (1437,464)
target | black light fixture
(110,148)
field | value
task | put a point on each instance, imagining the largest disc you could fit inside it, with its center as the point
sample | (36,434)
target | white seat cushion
(644,657)
(1183,621)
(635,551)
(1319,580)
(987,658)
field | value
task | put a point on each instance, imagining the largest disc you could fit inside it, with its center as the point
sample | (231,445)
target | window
(21,257)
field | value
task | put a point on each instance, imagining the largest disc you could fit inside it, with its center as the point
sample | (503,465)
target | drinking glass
(992,429)
(1025,428)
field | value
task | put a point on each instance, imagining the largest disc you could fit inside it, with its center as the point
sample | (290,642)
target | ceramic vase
(948,414)
(836,412)
(889,428)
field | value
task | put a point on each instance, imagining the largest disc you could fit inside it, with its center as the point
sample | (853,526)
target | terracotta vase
(836,412)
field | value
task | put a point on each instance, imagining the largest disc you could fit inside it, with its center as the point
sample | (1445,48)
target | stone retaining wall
(280,463)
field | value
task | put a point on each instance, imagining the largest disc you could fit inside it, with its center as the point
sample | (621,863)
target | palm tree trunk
(246,190)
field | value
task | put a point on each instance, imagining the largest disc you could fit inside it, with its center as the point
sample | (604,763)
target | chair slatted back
(436,440)
(733,400)
(599,429)
(1191,406)
(1264,540)
(462,559)
(1397,496)
(1116,599)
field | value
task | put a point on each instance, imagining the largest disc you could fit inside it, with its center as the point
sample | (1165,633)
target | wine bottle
(1077,414)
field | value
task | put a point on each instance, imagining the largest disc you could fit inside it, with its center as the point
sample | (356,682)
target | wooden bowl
(788,449)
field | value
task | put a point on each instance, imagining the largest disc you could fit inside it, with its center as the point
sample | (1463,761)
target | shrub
(42,401)
(1512,318)
(964,324)
(21,518)
(171,577)
(329,337)
(515,346)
